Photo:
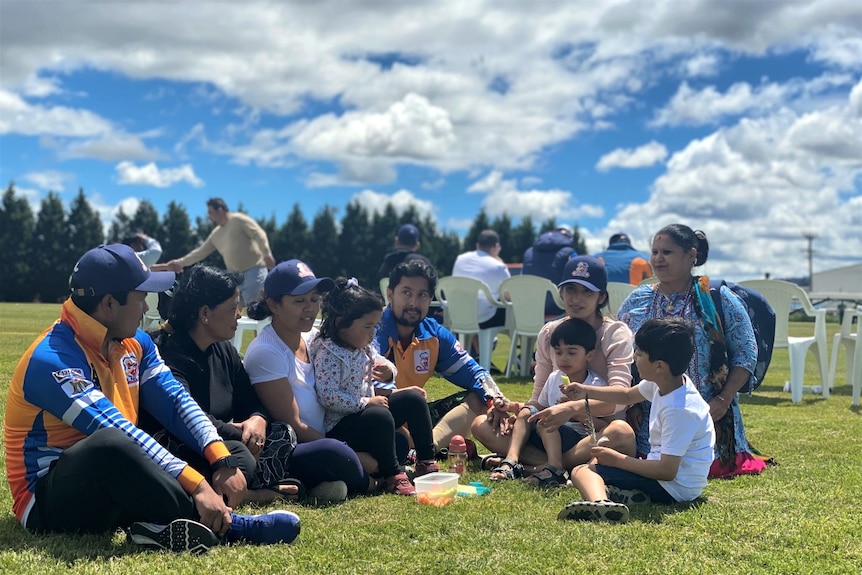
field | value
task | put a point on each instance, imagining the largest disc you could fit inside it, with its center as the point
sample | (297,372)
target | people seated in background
(195,342)
(574,343)
(624,263)
(419,346)
(346,364)
(282,375)
(484,264)
(147,248)
(681,433)
(76,459)
(405,249)
(725,348)
(547,258)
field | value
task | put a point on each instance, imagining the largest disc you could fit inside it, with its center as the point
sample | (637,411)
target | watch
(231,462)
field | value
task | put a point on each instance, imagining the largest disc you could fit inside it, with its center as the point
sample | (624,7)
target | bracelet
(724,401)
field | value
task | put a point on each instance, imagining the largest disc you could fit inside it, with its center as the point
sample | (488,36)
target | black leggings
(103,482)
(373,430)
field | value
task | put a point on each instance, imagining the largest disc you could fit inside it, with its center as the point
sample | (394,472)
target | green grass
(801,516)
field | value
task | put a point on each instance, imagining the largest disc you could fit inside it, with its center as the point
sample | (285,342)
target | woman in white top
(282,375)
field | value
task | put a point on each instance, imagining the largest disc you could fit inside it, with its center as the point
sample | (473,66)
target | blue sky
(743,119)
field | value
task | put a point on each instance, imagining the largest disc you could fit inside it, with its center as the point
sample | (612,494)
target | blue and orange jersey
(432,349)
(63,389)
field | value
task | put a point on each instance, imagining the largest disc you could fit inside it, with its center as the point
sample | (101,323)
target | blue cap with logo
(587,271)
(408,234)
(116,268)
(294,277)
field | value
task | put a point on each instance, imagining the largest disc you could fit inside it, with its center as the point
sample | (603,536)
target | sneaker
(595,511)
(426,467)
(627,496)
(178,535)
(264,529)
(329,491)
(399,484)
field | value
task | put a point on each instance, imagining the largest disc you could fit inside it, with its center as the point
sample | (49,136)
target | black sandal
(507,469)
(548,477)
(300,489)
(492,460)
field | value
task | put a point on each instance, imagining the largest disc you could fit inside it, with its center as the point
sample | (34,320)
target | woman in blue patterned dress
(726,351)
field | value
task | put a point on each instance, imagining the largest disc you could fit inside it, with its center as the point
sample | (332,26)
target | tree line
(41,248)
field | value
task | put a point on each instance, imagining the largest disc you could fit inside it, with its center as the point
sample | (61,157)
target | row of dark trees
(41,249)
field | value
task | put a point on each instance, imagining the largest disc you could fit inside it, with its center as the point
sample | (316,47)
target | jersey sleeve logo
(130,368)
(61,376)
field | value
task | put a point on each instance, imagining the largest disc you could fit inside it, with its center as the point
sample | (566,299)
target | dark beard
(407,323)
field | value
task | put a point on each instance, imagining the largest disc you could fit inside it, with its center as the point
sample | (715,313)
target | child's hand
(382,372)
(606,455)
(573,391)
(379,400)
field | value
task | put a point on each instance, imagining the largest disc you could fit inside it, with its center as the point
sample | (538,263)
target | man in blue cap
(76,460)
(404,250)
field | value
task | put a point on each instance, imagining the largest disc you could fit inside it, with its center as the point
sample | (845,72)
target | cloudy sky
(741,118)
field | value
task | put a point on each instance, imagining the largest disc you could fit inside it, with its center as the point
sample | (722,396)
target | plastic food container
(436,489)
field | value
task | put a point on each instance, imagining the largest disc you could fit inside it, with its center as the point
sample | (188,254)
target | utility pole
(810,236)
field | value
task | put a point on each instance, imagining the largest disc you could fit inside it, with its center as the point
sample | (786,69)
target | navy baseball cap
(294,277)
(116,268)
(408,234)
(587,271)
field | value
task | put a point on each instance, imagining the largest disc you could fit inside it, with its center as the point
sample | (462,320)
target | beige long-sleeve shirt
(241,242)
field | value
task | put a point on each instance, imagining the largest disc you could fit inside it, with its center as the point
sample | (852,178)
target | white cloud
(701,65)
(50,180)
(19,117)
(151,175)
(640,157)
(401,200)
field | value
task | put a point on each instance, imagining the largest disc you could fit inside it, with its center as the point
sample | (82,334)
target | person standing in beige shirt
(243,246)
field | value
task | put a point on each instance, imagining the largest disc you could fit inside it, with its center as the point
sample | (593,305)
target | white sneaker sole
(179,535)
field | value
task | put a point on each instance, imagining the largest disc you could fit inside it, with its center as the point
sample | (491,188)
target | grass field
(802,516)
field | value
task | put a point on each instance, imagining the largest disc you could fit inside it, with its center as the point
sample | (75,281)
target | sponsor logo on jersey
(68,373)
(76,386)
(130,368)
(421,361)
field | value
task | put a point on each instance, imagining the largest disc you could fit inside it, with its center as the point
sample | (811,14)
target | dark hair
(258,309)
(488,239)
(413,269)
(88,303)
(202,286)
(667,339)
(574,331)
(133,242)
(686,238)
(347,302)
(217,204)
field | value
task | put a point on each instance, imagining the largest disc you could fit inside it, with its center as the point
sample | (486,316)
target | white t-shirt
(680,425)
(268,358)
(486,268)
(551,393)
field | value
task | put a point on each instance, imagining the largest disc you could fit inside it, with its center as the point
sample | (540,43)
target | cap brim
(157,282)
(323,285)
(584,283)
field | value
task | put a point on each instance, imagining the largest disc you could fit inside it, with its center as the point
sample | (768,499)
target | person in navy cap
(76,459)
(405,250)
(623,262)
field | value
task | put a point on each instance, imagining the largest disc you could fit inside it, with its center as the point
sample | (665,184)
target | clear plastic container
(436,489)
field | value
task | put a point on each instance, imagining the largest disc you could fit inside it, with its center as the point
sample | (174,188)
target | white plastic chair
(244,324)
(459,297)
(848,338)
(151,318)
(780,294)
(617,293)
(526,308)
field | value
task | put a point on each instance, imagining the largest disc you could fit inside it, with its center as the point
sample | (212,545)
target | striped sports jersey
(63,389)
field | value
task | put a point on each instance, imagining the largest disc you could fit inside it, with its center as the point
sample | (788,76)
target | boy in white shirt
(681,436)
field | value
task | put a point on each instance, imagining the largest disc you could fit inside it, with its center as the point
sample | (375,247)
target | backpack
(762,318)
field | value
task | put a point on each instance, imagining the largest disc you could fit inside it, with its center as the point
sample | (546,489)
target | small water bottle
(457,458)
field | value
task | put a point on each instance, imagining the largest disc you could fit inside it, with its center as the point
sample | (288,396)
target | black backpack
(762,318)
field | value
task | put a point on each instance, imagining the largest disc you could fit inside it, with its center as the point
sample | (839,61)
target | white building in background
(838,283)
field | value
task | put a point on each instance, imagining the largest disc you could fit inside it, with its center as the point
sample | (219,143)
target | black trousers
(103,482)
(373,430)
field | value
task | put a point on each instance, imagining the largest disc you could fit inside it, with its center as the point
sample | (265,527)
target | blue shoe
(178,535)
(264,529)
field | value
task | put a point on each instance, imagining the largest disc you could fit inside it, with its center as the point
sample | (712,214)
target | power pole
(810,236)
